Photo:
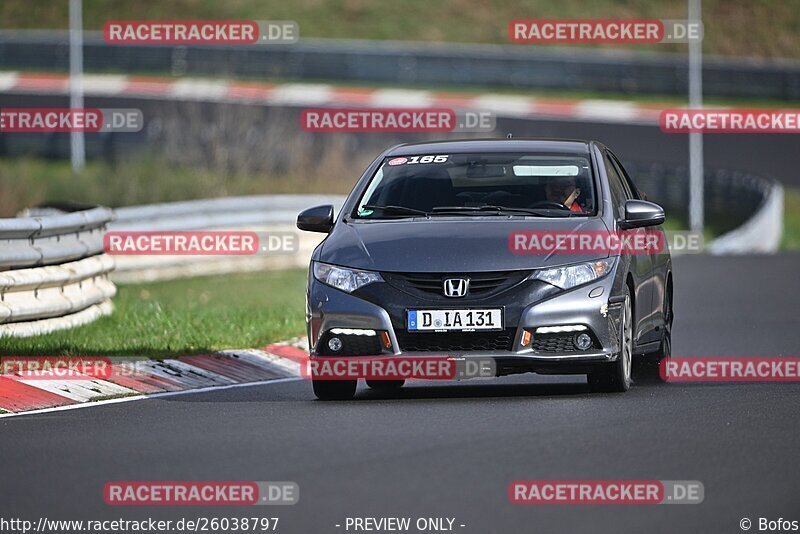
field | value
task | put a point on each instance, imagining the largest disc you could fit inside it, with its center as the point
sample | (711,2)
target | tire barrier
(53,272)
(266,214)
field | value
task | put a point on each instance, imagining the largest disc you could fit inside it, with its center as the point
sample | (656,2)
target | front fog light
(582,341)
(335,344)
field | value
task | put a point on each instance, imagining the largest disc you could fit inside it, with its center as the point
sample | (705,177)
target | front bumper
(527,306)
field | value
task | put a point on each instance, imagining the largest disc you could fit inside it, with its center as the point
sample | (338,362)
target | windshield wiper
(395,210)
(502,209)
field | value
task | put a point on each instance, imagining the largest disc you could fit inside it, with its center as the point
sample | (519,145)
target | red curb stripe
(18,397)
(351,95)
(288,351)
(251,91)
(41,82)
(146,85)
(140,386)
(148,384)
(452,100)
(230,367)
(144,382)
(555,107)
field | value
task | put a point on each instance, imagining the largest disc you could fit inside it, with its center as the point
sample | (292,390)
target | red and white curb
(324,95)
(153,378)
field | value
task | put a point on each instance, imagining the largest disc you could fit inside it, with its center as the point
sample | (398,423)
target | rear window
(480,184)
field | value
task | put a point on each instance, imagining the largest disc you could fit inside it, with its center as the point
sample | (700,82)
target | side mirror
(316,219)
(641,213)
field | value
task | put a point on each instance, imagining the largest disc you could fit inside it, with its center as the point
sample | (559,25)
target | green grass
(791,219)
(186,316)
(767,28)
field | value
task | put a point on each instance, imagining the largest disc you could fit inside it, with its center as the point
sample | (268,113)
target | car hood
(447,245)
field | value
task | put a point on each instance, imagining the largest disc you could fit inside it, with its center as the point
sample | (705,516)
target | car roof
(461,146)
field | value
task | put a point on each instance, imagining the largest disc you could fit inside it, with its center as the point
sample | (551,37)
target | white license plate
(459,320)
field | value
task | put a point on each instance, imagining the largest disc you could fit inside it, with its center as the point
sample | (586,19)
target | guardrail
(763,231)
(266,214)
(746,209)
(53,273)
(406,63)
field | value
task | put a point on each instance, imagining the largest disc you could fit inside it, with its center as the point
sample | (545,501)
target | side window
(618,194)
(630,186)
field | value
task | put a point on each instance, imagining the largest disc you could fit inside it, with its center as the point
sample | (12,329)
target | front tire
(334,389)
(616,376)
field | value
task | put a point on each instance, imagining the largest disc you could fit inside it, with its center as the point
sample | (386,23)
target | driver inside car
(563,190)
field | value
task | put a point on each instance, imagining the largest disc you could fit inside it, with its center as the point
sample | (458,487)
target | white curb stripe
(514,105)
(8,80)
(302,94)
(400,98)
(104,84)
(198,89)
(613,110)
(78,390)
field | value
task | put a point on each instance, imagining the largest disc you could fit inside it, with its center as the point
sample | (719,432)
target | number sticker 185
(427,159)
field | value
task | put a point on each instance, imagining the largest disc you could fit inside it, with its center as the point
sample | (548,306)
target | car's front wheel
(616,376)
(334,389)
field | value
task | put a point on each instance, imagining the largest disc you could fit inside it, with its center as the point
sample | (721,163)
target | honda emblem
(456,287)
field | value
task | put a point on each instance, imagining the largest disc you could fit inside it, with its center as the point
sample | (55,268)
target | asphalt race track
(452,450)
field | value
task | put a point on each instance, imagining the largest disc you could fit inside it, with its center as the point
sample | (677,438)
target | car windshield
(545,185)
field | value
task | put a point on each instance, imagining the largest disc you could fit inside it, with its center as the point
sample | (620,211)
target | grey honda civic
(535,255)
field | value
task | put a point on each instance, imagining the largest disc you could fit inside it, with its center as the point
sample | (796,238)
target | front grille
(556,343)
(456,341)
(480,284)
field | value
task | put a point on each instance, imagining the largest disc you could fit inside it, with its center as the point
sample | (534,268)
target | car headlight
(571,276)
(347,280)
